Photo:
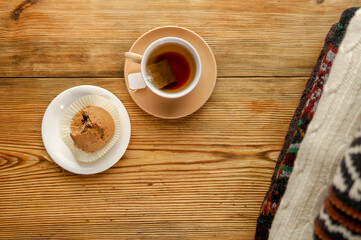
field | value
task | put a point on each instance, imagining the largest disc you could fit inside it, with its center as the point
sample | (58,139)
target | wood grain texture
(199,177)
(50,38)
(202,176)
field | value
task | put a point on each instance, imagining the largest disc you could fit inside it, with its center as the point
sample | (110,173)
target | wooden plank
(72,38)
(202,176)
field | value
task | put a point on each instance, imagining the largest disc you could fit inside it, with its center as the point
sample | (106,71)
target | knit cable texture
(331,131)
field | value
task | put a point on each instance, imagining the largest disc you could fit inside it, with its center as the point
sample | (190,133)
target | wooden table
(199,177)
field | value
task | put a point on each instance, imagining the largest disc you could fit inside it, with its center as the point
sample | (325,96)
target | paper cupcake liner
(75,107)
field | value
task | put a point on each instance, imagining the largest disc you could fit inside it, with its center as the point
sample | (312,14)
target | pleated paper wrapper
(75,107)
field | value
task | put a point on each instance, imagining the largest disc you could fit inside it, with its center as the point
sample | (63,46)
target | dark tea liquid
(180,61)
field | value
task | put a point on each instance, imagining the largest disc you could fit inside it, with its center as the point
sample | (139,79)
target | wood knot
(16,14)
(319,1)
(22,6)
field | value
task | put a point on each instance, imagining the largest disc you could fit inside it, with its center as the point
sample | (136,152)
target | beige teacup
(173,49)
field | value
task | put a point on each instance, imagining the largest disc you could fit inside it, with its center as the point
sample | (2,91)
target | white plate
(57,149)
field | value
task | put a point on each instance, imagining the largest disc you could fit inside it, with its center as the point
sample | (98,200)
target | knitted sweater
(331,131)
(299,123)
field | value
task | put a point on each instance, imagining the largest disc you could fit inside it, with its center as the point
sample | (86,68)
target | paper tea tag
(136,81)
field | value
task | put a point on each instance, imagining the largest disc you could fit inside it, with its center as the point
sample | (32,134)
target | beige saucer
(188,104)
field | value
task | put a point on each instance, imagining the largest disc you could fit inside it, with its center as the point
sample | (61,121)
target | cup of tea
(170,67)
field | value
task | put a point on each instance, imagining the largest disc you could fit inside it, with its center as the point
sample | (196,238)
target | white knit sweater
(337,118)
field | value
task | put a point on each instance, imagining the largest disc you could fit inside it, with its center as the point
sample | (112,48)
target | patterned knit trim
(289,159)
(342,219)
(344,208)
(342,25)
(286,168)
(332,229)
(319,234)
(348,178)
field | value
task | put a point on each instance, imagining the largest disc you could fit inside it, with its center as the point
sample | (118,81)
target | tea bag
(160,74)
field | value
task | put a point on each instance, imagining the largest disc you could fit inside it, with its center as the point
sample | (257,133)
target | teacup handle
(133,57)
(135,80)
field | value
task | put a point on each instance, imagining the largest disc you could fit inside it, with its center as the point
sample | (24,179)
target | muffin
(91,128)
